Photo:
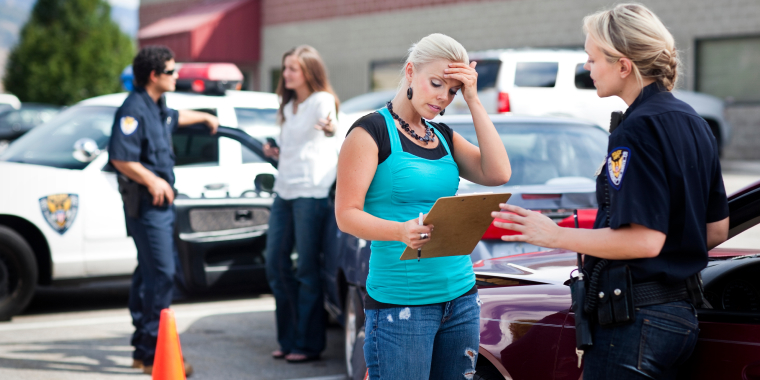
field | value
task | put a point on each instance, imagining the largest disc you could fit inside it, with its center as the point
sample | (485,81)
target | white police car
(61,215)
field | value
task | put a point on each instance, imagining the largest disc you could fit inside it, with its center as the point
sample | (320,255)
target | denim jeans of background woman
(298,293)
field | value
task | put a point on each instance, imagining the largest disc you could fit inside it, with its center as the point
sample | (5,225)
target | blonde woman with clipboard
(393,166)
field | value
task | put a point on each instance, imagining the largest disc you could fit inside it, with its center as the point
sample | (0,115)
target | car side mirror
(86,150)
(264,183)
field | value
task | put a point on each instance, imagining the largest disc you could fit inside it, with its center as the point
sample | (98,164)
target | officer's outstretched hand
(212,122)
(161,192)
(536,228)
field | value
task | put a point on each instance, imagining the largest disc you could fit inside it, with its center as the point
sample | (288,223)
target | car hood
(548,267)
(574,194)
(556,266)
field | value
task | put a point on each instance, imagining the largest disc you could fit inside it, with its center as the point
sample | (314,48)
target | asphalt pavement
(83,333)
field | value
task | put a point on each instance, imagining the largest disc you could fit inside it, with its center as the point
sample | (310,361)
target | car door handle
(243,215)
(215,186)
(751,371)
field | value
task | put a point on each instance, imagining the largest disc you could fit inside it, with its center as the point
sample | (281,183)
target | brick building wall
(283,11)
(154,10)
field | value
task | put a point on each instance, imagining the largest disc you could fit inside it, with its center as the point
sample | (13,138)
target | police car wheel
(18,273)
(353,314)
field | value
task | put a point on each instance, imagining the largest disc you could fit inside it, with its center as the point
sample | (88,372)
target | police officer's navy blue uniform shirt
(662,171)
(142,132)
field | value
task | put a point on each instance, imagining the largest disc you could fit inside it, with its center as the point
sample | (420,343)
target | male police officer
(141,151)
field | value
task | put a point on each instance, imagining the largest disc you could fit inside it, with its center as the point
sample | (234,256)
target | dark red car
(528,330)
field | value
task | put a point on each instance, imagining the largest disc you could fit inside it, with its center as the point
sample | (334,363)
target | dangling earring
(409,93)
(442,112)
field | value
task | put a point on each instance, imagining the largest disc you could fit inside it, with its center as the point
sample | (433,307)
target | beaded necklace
(429,137)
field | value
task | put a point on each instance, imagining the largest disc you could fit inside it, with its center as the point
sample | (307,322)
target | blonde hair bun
(635,32)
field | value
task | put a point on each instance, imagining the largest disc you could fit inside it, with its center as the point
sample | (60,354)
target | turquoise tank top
(405,185)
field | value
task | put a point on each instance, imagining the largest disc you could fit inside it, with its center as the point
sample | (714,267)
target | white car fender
(50,199)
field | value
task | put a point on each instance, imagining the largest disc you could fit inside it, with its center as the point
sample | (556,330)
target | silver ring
(424,236)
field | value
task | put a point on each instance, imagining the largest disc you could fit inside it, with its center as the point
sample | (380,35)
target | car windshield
(52,144)
(544,153)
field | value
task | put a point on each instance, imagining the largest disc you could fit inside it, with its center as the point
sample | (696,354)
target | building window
(728,68)
(385,75)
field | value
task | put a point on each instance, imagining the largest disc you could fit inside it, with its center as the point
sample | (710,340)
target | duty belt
(655,293)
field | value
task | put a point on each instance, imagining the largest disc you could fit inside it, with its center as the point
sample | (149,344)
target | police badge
(60,210)
(616,164)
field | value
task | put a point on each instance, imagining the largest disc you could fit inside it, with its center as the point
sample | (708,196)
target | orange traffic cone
(168,363)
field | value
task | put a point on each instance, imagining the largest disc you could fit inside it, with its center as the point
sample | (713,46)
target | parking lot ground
(225,338)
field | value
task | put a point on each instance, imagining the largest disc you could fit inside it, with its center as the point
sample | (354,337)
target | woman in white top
(308,156)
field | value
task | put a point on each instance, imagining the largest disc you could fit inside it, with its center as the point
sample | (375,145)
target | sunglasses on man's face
(168,72)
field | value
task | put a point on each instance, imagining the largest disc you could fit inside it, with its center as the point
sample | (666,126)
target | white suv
(547,82)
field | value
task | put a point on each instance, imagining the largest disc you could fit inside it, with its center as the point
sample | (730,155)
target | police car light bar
(209,78)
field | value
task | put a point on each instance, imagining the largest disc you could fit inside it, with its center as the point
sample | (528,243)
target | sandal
(301,358)
(279,354)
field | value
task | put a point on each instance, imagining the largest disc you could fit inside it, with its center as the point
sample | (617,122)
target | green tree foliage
(69,50)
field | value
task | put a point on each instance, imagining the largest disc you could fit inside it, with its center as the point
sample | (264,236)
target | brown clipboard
(459,222)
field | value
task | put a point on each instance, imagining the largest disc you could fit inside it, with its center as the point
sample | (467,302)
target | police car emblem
(60,210)
(128,124)
(617,162)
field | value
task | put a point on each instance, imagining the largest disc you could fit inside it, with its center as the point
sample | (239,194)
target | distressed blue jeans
(297,291)
(653,347)
(438,341)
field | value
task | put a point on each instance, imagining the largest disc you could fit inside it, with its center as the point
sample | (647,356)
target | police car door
(221,232)
(200,158)
(214,166)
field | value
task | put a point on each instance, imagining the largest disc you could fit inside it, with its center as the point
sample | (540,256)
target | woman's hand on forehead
(465,74)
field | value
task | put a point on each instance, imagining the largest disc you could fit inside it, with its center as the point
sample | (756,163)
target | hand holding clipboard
(460,223)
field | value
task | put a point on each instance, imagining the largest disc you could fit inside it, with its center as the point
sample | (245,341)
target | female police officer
(662,205)
(141,150)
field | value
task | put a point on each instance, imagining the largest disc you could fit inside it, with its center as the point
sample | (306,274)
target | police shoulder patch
(617,162)
(128,124)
